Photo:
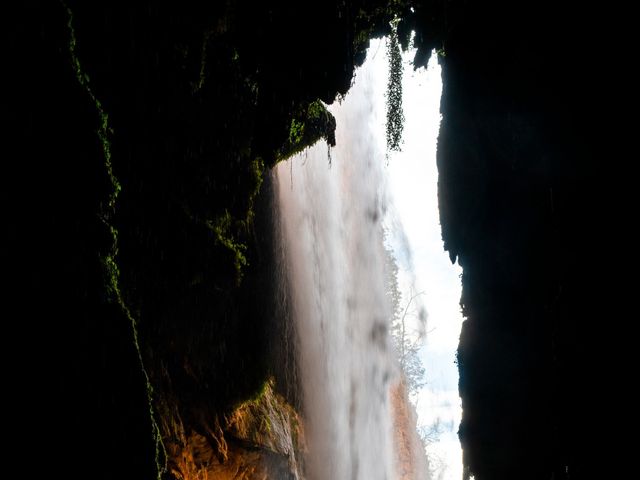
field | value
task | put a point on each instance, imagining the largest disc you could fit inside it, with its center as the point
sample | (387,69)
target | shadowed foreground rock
(532,202)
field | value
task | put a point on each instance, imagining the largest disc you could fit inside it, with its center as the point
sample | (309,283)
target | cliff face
(138,248)
(530,195)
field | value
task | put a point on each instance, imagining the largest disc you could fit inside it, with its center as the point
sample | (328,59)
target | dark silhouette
(196,101)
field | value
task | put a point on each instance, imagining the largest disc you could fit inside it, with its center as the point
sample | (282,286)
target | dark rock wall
(530,193)
(73,392)
(200,98)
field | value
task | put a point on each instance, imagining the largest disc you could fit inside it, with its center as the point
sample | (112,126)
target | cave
(135,203)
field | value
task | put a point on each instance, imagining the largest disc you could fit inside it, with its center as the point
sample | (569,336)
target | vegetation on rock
(395,113)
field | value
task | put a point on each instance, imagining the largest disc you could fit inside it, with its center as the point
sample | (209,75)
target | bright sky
(412,181)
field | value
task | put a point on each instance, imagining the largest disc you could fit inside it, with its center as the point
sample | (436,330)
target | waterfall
(330,211)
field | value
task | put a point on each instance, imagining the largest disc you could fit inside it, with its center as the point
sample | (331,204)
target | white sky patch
(424,265)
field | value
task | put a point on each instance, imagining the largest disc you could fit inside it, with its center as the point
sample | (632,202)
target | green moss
(310,124)
(222,229)
(256,172)
(265,389)
(198,84)
(395,113)
(230,230)
(108,259)
(296,131)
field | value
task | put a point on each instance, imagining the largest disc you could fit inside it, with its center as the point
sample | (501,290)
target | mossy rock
(308,126)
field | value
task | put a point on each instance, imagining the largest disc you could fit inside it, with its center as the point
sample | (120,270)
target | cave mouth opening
(427,280)
(319,203)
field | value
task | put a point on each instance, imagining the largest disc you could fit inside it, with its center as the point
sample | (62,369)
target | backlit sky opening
(414,224)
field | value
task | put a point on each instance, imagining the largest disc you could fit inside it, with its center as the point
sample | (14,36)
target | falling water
(330,212)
